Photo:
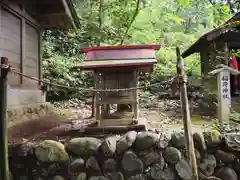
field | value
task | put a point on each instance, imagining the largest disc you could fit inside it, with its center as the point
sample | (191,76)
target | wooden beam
(100,130)
(51,21)
(51,7)
(68,12)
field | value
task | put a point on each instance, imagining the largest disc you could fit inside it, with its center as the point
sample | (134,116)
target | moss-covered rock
(58,178)
(172,155)
(77,165)
(51,151)
(26,149)
(226,173)
(184,170)
(199,143)
(145,140)
(213,138)
(233,141)
(178,140)
(84,146)
(208,165)
(82,176)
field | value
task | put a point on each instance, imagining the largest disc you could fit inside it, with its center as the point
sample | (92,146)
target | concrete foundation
(18,97)
(24,105)
(28,112)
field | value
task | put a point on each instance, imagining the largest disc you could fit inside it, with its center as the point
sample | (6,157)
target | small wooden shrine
(118,67)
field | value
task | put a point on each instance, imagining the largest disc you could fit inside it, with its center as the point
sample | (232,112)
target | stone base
(22,113)
(122,122)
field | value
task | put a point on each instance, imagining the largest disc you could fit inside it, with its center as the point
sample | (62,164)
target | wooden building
(213,41)
(21,27)
(211,46)
(117,67)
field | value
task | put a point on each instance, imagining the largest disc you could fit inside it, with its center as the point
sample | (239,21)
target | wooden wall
(31,64)
(20,37)
(10,38)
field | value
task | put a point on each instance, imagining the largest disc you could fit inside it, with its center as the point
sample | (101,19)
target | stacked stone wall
(132,156)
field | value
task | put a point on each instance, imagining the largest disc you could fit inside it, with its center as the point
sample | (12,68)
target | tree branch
(100,19)
(132,20)
(231,6)
(212,2)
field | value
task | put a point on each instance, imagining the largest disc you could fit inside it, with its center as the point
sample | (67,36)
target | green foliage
(113,22)
(185,3)
(235,116)
(58,69)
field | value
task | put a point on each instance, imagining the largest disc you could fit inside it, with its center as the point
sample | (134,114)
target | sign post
(224,96)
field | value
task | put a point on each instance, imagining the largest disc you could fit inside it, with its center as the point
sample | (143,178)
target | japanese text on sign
(225,87)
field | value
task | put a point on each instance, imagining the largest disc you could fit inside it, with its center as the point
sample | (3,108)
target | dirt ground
(31,128)
(165,116)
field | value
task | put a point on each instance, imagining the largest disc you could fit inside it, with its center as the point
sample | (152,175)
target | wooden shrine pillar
(96,99)
(135,94)
(94,95)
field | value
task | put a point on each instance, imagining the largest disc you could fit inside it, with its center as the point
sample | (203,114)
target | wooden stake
(4,167)
(186,115)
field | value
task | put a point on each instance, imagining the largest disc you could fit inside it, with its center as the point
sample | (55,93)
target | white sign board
(224,95)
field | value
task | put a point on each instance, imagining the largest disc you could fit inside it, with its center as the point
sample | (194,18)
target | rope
(13,70)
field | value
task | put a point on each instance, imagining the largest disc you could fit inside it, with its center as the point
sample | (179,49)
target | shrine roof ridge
(100,48)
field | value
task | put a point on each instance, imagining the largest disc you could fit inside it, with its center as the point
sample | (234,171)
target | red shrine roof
(119,56)
(154,47)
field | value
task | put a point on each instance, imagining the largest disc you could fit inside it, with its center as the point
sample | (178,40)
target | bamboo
(186,115)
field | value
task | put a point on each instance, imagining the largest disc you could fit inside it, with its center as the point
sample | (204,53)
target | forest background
(169,23)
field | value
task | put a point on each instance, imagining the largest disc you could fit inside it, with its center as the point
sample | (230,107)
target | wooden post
(186,115)
(94,94)
(135,92)
(102,95)
(97,105)
(23,46)
(4,170)
(93,105)
(226,54)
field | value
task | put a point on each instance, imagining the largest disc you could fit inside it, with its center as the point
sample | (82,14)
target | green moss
(212,137)
(51,151)
(215,133)
(196,119)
